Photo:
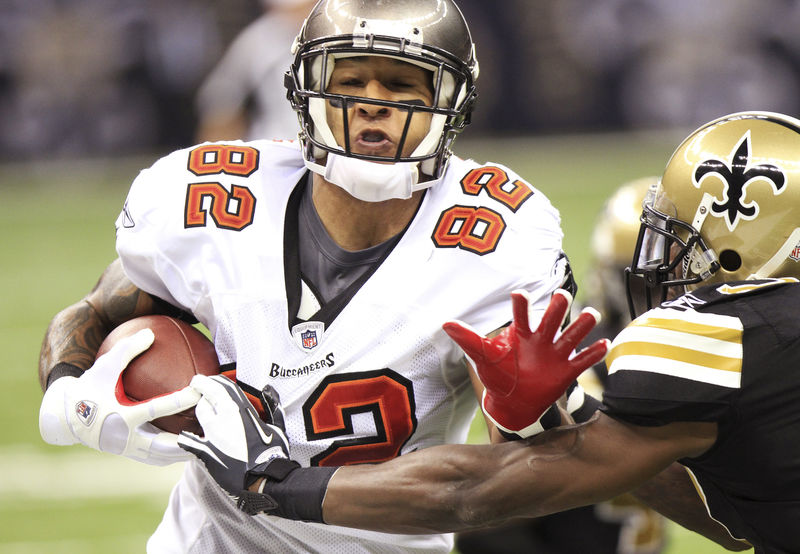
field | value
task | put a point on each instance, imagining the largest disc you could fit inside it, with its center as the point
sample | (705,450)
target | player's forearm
(461,487)
(433,490)
(73,337)
(75,334)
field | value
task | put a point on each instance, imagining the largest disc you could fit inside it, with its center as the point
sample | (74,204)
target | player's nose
(377,91)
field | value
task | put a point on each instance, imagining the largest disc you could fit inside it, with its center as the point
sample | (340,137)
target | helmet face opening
(339,106)
(430,34)
(328,110)
(669,253)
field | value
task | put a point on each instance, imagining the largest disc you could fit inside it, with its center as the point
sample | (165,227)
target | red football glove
(525,372)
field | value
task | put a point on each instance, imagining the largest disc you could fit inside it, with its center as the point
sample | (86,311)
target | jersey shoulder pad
(495,183)
(163,187)
(674,365)
(683,343)
(497,189)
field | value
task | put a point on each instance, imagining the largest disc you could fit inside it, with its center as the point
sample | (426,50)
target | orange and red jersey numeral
(497,185)
(210,159)
(232,209)
(476,229)
(385,394)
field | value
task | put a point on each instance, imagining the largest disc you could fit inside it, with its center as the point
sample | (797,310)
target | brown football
(178,353)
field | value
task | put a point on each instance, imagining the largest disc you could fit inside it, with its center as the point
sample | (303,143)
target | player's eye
(351,82)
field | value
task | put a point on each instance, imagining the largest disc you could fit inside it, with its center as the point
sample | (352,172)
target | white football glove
(92,410)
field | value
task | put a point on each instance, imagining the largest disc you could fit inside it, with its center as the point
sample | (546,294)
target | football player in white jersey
(324,269)
(709,378)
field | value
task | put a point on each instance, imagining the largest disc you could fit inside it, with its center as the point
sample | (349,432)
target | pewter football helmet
(429,33)
(727,207)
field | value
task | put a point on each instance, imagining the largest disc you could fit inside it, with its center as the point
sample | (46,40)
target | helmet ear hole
(730,260)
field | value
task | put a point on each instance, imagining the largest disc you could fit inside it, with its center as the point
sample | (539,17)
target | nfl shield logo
(795,255)
(307,335)
(86,411)
(309,339)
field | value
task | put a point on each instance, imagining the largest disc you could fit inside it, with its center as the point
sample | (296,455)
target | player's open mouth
(373,141)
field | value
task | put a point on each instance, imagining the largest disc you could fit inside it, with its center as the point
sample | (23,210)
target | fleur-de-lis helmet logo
(737,176)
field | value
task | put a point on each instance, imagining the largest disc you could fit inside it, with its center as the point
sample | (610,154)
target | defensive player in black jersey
(710,378)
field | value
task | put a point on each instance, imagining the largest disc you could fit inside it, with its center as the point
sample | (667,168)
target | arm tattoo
(75,333)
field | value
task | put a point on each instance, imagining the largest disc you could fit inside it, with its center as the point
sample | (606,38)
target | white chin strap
(371,181)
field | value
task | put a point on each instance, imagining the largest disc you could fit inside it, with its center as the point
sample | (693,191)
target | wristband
(549,419)
(298,495)
(62,369)
(580,405)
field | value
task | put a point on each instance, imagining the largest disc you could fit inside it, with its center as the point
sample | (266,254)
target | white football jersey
(213,230)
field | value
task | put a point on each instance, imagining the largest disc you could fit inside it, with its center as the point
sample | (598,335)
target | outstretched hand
(524,372)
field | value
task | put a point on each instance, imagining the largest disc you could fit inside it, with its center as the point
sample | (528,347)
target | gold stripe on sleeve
(727,334)
(675,354)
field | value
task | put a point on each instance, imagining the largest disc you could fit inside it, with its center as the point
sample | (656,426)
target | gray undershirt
(329,268)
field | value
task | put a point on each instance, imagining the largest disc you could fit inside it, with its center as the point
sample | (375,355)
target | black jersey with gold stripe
(728,354)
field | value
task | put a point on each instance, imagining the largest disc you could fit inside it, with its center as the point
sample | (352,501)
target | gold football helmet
(727,207)
(612,243)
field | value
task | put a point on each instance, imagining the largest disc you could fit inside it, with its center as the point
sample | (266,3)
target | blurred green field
(57,235)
